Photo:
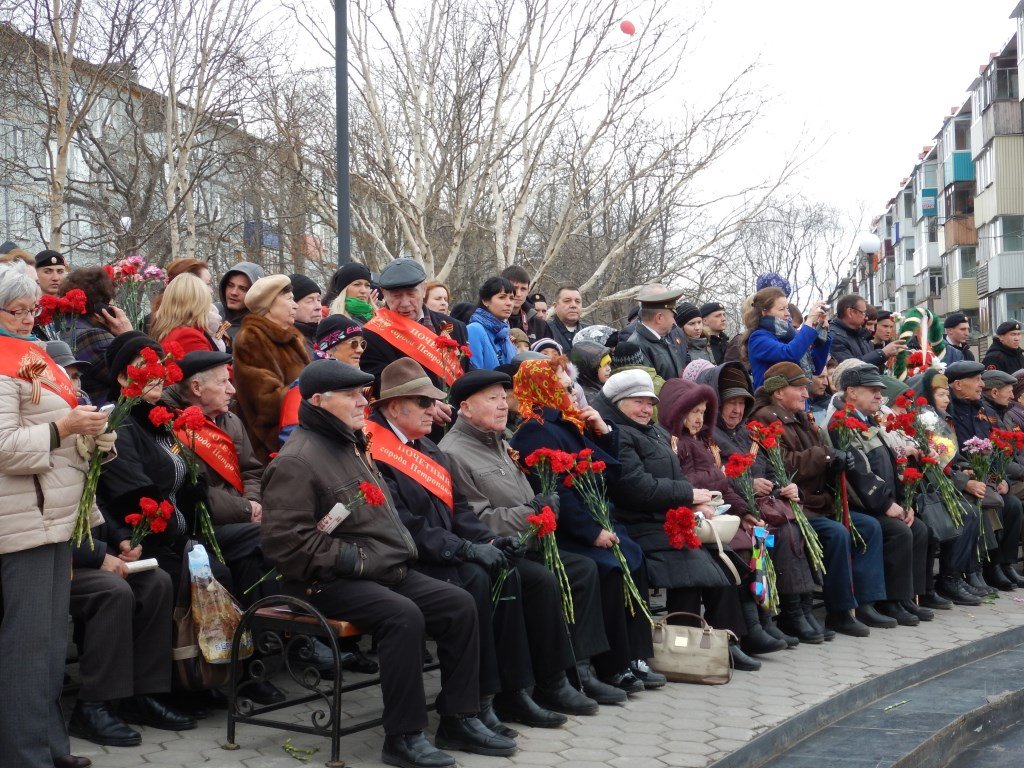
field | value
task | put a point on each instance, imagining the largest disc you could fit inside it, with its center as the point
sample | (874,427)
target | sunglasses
(424,402)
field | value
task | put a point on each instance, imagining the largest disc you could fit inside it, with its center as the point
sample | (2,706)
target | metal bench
(282,629)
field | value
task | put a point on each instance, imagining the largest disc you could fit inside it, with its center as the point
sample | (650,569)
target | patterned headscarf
(536,386)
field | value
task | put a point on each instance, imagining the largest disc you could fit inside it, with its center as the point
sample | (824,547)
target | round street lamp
(869,243)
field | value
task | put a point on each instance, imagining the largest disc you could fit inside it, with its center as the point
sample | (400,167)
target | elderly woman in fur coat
(269,352)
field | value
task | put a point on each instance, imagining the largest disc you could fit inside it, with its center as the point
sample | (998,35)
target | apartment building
(952,238)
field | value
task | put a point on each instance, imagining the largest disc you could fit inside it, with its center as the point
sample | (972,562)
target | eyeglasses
(858,311)
(18,314)
(357,343)
(424,402)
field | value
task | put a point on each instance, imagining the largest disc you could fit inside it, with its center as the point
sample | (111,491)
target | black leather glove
(838,462)
(489,557)
(540,501)
(189,497)
(850,461)
(509,546)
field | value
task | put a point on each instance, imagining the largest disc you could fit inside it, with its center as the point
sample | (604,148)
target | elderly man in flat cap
(1000,508)
(854,577)
(348,553)
(653,334)
(1005,353)
(876,490)
(405,328)
(456,546)
(500,495)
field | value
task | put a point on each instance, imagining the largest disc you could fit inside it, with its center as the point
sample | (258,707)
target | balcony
(960,231)
(927,202)
(962,294)
(1002,118)
(958,167)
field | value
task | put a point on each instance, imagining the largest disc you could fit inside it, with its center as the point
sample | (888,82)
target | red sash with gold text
(24,360)
(215,448)
(386,448)
(416,341)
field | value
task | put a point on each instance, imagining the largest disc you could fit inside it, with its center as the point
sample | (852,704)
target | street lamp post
(869,245)
(341,103)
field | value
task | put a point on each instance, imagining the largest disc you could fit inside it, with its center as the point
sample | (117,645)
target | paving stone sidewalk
(679,725)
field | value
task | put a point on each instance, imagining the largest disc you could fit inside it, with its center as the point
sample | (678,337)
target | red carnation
(166,509)
(160,416)
(159,525)
(679,525)
(568,481)
(133,519)
(174,349)
(598,467)
(172,373)
(74,301)
(149,355)
(191,419)
(545,521)
(148,506)
(372,495)
(586,453)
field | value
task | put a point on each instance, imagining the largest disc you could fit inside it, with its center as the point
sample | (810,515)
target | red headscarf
(536,386)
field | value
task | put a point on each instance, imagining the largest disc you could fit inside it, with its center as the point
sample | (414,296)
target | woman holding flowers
(794,580)
(552,420)
(42,471)
(853,575)
(651,483)
(147,466)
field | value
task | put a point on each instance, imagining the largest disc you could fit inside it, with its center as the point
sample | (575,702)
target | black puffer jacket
(650,484)
(1000,357)
(848,342)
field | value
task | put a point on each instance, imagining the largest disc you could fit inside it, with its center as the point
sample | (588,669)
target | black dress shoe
(557,695)
(1012,574)
(868,614)
(518,707)
(977,585)
(922,613)
(935,602)
(358,661)
(894,609)
(624,681)
(468,734)
(261,692)
(412,750)
(956,590)
(490,718)
(71,761)
(319,656)
(146,710)
(96,721)
(593,688)
(994,578)
(652,680)
(845,624)
(741,661)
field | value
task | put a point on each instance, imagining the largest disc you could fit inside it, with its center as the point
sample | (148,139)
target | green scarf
(363,310)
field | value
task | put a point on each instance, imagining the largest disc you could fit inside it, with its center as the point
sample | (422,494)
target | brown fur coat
(268,358)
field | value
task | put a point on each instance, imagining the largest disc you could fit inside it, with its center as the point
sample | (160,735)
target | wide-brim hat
(406,378)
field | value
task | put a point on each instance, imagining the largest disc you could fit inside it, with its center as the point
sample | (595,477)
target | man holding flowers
(496,489)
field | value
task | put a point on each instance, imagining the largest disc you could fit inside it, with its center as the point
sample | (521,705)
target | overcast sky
(876,76)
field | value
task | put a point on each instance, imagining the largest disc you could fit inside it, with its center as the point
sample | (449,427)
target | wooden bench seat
(283,613)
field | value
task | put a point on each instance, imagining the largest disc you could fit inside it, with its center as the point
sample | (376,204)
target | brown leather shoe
(71,761)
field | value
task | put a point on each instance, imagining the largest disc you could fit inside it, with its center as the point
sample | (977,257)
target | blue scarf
(30,337)
(499,333)
(784,332)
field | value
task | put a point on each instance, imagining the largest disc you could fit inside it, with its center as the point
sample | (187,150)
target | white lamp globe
(869,243)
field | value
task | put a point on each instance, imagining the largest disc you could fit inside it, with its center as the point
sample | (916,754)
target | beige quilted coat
(39,489)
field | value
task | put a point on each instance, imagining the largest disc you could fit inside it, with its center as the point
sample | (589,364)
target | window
(1006,80)
(908,205)
(935,282)
(968,263)
(1012,233)
(983,168)
(958,202)
(933,230)
(961,135)
(911,297)
(1015,305)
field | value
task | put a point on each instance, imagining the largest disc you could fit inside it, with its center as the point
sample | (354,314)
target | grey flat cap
(402,273)
(994,378)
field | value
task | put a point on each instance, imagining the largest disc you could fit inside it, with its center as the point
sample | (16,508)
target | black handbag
(930,507)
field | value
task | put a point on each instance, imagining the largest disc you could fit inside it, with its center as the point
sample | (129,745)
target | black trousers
(588,635)
(399,617)
(904,557)
(959,555)
(629,635)
(1012,516)
(540,610)
(125,632)
(240,545)
(721,607)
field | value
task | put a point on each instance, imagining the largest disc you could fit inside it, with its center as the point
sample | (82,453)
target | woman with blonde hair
(184,314)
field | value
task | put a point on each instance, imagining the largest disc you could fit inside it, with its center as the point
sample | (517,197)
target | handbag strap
(701,619)
(722,556)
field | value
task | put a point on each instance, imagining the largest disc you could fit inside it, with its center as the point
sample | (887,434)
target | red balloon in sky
(628,27)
